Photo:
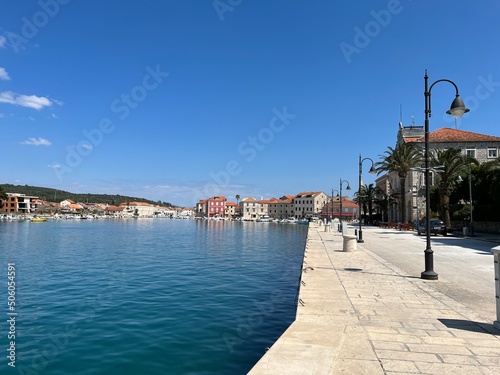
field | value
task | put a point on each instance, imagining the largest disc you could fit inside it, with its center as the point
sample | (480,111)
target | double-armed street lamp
(347,188)
(457,110)
(372,171)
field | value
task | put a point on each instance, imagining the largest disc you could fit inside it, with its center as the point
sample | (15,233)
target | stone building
(480,146)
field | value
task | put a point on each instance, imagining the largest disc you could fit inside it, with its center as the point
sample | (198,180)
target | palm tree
(453,163)
(369,191)
(400,160)
(382,201)
(367,198)
(491,165)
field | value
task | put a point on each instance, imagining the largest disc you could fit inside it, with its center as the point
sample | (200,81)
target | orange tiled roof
(115,208)
(249,199)
(139,204)
(269,201)
(348,203)
(455,135)
(308,194)
(218,198)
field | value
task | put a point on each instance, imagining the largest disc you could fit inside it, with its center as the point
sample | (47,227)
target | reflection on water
(152,296)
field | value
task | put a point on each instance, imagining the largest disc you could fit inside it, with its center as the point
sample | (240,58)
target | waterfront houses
(249,208)
(307,204)
(303,205)
(20,203)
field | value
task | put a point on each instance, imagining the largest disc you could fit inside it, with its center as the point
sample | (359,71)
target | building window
(492,153)
(471,152)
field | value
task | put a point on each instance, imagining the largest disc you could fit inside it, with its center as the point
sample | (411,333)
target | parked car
(437,227)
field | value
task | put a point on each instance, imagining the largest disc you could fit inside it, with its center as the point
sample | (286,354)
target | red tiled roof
(348,203)
(455,135)
(115,208)
(218,198)
(139,204)
(270,200)
(249,199)
(307,194)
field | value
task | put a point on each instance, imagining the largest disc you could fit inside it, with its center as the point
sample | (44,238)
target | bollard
(496,262)
(327,227)
(349,243)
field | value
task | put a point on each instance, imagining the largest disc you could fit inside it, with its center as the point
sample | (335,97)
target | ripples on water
(149,296)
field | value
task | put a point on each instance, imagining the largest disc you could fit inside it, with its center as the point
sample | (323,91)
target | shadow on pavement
(471,326)
(378,273)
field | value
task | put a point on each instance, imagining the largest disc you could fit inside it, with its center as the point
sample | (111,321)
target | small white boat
(292,220)
(265,219)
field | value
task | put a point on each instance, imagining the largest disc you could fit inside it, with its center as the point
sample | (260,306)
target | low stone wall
(492,227)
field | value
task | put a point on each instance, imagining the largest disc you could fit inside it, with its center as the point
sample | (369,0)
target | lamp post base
(429,275)
(360,236)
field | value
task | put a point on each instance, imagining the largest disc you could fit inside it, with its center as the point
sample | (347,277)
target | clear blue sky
(180,100)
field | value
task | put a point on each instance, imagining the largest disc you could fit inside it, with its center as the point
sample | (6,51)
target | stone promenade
(360,314)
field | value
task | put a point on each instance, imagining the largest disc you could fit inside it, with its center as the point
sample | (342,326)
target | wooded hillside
(55,195)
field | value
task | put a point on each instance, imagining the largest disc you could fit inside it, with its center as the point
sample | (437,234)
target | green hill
(55,195)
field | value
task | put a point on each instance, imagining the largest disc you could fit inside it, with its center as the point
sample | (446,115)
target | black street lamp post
(331,217)
(340,211)
(372,171)
(457,110)
(471,227)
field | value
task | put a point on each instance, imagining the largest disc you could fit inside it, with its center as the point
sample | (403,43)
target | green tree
(400,160)
(3,197)
(485,181)
(3,194)
(452,163)
(368,196)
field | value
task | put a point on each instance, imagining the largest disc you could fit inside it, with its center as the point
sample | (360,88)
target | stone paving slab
(359,314)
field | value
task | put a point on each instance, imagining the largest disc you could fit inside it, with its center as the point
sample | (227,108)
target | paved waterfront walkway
(360,314)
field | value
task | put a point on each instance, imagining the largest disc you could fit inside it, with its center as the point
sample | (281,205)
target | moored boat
(264,219)
(38,219)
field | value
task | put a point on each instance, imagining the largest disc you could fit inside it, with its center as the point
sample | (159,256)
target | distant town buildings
(302,205)
(20,203)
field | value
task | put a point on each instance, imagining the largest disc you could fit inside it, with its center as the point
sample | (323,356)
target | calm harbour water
(148,296)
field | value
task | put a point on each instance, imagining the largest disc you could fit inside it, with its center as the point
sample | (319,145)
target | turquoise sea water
(148,296)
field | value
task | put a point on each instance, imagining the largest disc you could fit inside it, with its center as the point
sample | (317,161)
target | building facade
(308,204)
(20,203)
(249,208)
(480,146)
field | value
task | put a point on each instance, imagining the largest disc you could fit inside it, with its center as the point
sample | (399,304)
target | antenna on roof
(400,116)
(412,120)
